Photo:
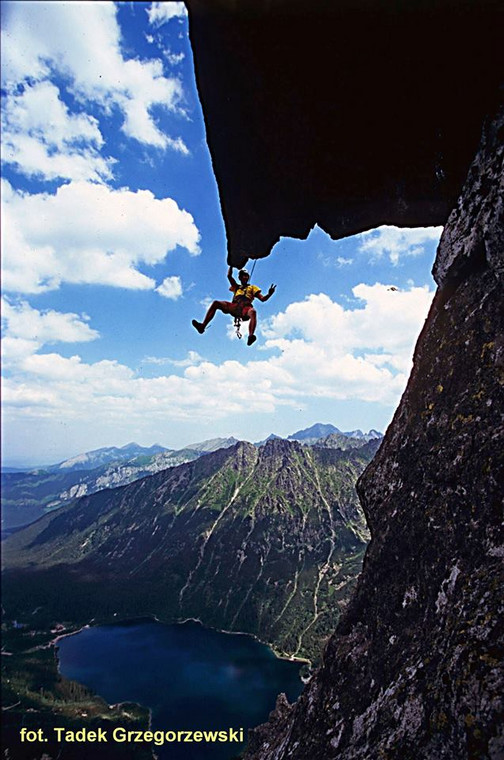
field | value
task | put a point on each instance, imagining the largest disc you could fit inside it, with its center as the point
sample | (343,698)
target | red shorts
(241,310)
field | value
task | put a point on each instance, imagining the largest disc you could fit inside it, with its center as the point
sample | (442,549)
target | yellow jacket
(249,292)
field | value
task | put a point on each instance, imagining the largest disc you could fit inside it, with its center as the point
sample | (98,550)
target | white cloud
(389,321)
(82,43)
(171,287)
(191,359)
(395,242)
(178,145)
(88,233)
(331,261)
(160,13)
(26,330)
(175,58)
(321,350)
(41,138)
(49,326)
(38,109)
(205,302)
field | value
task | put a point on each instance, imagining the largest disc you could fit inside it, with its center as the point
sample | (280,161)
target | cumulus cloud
(171,288)
(109,390)
(191,359)
(49,326)
(320,349)
(41,138)
(44,38)
(396,242)
(384,320)
(26,330)
(160,13)
(89,233)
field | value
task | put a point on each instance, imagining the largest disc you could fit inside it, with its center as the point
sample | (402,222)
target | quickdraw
(237,324)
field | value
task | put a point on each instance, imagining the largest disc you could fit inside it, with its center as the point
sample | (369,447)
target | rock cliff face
(414,670)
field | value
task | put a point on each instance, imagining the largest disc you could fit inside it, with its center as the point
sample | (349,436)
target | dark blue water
(192,678)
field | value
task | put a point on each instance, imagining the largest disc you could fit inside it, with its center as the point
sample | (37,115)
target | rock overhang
(345,114)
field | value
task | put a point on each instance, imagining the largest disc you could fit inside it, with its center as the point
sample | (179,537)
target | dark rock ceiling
(346,114)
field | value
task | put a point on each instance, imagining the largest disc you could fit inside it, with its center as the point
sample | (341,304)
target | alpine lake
(192,678)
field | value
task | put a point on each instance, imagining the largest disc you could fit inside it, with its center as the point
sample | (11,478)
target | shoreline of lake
(184,679)
(154,618)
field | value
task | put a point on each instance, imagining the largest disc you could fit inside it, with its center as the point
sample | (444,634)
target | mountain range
(28,495)
(92,459)
(267,540)
(319,430)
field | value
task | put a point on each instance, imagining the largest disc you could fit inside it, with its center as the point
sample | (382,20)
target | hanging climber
(241,307)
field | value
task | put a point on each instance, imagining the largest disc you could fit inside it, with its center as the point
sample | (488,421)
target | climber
(241,306)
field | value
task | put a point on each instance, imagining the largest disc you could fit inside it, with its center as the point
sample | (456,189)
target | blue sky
(112,241)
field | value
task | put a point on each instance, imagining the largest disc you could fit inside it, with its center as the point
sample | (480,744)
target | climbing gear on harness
(237,325)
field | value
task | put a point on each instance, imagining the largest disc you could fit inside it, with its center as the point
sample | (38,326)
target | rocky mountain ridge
(92,459)
(345,441)
(244,539)
(28,495)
